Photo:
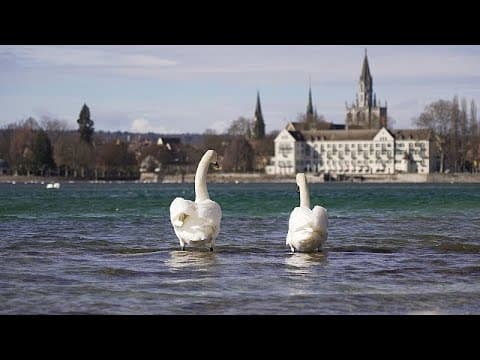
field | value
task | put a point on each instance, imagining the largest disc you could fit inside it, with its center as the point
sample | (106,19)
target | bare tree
(438,117)
(218,142)
(54,127)
(116,161)
(474,136)
(464,136)
(64,151)
(241,127)
(312,121)
(238,156)
(21,143)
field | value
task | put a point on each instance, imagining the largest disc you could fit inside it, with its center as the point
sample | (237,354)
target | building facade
(352,152)
(364,145)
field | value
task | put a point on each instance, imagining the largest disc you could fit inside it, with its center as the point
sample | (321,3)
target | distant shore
(263,178)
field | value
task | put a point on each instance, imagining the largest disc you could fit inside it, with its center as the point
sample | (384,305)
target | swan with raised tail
(307,228)
(197,223)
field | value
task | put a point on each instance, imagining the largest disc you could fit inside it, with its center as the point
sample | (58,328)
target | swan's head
(301,180)
(211,156)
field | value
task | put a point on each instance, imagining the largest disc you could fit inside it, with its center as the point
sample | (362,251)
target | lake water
(110,249)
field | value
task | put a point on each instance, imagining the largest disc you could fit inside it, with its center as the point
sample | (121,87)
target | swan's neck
(304,194)
(201,192)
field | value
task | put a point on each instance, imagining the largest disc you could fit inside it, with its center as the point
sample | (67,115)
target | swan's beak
(298,189)
(215,164)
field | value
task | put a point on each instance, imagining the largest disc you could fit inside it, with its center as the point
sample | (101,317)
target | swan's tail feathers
(179,219)
(320,218)
(180,210)
(202,230)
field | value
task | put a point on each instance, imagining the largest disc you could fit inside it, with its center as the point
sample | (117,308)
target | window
(285,149)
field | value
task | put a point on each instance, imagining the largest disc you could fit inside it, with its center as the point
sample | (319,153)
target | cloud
(219,126)
(246,63)
(196,87)
(84,56)
(142,125)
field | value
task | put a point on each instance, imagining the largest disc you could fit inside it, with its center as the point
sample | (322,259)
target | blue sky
(189,88)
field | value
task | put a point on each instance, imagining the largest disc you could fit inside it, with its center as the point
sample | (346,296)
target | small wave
(135,250)
(369,249)
(119,272)
(462,248)
(467,270)
(400,271)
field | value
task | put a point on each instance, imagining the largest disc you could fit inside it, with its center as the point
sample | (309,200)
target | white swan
(197,223)
(307,229)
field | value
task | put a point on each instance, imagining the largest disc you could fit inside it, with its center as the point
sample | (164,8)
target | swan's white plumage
(307,228)
(197,223)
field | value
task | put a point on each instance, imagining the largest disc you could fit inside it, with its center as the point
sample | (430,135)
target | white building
(364,145)
(352,152)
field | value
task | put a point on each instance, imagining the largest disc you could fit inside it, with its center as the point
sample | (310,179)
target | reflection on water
(192,260)
(303,263)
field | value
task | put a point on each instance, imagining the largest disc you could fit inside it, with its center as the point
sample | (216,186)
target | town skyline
(189,89)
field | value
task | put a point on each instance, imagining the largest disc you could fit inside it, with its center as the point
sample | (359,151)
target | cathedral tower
(364,113)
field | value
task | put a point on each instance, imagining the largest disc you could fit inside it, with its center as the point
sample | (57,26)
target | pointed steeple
(365,74)
(258,107)
(310,103)
(259,124)
(365,85)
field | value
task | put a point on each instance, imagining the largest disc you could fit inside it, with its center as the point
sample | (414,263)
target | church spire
(365,75)
(258,107)
(365,85)
(259,124)
(310,103)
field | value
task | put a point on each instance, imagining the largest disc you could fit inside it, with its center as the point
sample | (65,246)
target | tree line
(49,148)
(456,133)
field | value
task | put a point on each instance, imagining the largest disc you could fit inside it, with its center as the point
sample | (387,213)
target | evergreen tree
(259,125)
(85,125)
(42,152)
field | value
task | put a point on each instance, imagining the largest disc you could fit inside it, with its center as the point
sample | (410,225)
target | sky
(173,89)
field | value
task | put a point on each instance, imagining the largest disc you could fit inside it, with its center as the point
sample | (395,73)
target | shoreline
(237,178)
